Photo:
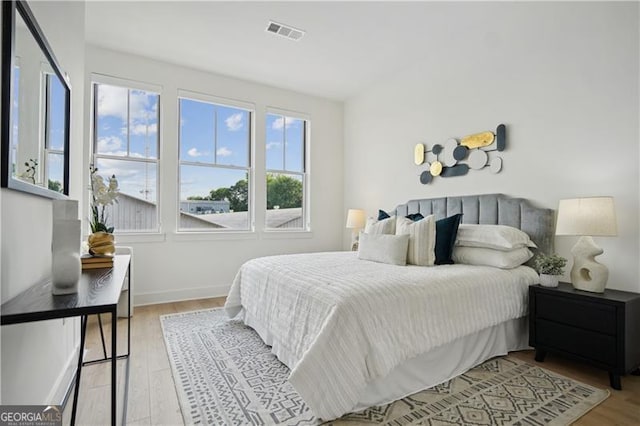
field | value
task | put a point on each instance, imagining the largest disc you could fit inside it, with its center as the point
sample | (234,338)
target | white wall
(35,356)
(562,76)
(174,267)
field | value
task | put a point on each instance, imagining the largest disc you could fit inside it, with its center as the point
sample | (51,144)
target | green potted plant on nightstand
(550,267)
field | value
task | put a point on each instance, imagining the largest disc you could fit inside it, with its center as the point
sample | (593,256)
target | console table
(98,292)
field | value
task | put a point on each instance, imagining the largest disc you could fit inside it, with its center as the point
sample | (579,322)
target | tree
(197,198)
(239,196)
(283,191)
(55,185)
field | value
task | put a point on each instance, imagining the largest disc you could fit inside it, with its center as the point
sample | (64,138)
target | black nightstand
(600,329)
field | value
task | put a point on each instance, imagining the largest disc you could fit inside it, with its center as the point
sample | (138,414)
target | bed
(356,333)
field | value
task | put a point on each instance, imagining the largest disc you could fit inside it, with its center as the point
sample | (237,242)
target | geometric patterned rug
(226,375)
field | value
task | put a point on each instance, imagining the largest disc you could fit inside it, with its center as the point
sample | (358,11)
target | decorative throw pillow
(422,239)
(499,237)
(383,215)
(384,226)
(414,216)
(446,231)
(391,249)
(491,257)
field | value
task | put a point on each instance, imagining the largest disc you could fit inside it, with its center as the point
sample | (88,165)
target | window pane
(213,198)
(136,209)
(111,120)
(15,117)
(232,136)
(275,142)
(55,112)
(294,145)
(55,167)
(143,124)
(284,201)
(197,131)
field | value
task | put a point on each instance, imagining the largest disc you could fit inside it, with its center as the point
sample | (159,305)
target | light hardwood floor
(153,399)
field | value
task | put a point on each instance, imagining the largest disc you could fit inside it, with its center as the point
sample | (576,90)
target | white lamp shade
(587,216)
(356,219)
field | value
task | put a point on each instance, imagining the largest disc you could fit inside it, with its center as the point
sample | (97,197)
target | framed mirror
(35,108)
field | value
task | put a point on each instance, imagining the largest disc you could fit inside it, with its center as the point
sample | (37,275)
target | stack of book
(95,262)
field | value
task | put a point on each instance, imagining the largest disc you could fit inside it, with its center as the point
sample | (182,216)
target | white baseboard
(65,380)
(167,296)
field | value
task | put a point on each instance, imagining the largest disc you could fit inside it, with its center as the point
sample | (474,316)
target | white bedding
(339,322)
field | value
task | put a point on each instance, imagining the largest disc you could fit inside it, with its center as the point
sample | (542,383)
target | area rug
(226,375)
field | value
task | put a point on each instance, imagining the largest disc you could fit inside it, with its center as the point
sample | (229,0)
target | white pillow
(499,237)
(383,248)
(384,226)
(490,257)
(422,239)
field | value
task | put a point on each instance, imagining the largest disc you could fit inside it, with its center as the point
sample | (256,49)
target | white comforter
(339,322)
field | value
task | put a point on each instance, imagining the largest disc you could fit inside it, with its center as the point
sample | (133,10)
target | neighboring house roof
(274,218)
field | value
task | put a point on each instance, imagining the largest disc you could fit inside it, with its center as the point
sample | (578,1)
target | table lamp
(587,217)
(355,221)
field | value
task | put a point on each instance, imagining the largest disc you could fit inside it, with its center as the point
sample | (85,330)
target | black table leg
(104,347)
(114,358)
(540,355)
(614,380)
(83,330)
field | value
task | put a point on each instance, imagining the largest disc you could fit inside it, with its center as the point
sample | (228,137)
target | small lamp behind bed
(587,217)
(355,221)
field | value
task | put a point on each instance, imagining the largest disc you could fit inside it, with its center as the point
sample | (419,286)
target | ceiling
(347,46)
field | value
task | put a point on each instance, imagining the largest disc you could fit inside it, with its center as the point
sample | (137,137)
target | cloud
(271,145)
(224,152)
(235,122)
(193,152)
(281,122)
(112,101)
(142,129)
(111,145)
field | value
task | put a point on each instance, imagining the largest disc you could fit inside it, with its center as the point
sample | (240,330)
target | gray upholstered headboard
(493,209)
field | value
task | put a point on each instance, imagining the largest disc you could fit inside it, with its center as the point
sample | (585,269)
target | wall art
(453,158)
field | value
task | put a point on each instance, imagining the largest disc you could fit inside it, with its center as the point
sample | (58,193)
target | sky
(210,135)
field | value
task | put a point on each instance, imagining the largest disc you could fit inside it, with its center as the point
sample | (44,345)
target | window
(215,165)
(126,144)
(286,140)
(54,132)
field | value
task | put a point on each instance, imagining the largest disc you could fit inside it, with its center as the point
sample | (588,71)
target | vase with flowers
(101,241)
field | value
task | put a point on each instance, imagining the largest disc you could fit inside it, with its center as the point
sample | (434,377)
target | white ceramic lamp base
(588,274)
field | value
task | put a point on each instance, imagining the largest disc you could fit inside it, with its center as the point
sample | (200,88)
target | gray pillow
(383,248)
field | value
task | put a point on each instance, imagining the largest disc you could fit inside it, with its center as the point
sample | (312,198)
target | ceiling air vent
(285,31)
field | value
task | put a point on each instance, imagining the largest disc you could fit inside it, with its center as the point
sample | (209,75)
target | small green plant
(551,264)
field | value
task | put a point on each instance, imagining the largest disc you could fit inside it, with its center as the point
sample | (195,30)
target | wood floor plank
(165,409)
(152,393)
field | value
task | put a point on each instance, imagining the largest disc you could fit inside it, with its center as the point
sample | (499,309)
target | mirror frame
(7,180)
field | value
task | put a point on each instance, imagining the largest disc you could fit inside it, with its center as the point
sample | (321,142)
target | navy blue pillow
(383,215)
(415,217)
(446,233)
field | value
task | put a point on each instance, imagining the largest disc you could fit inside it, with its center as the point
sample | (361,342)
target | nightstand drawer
(584,343)
(587,315)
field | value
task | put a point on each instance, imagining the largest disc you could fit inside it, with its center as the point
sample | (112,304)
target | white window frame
(225,102)
(97,79)
(306,208)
